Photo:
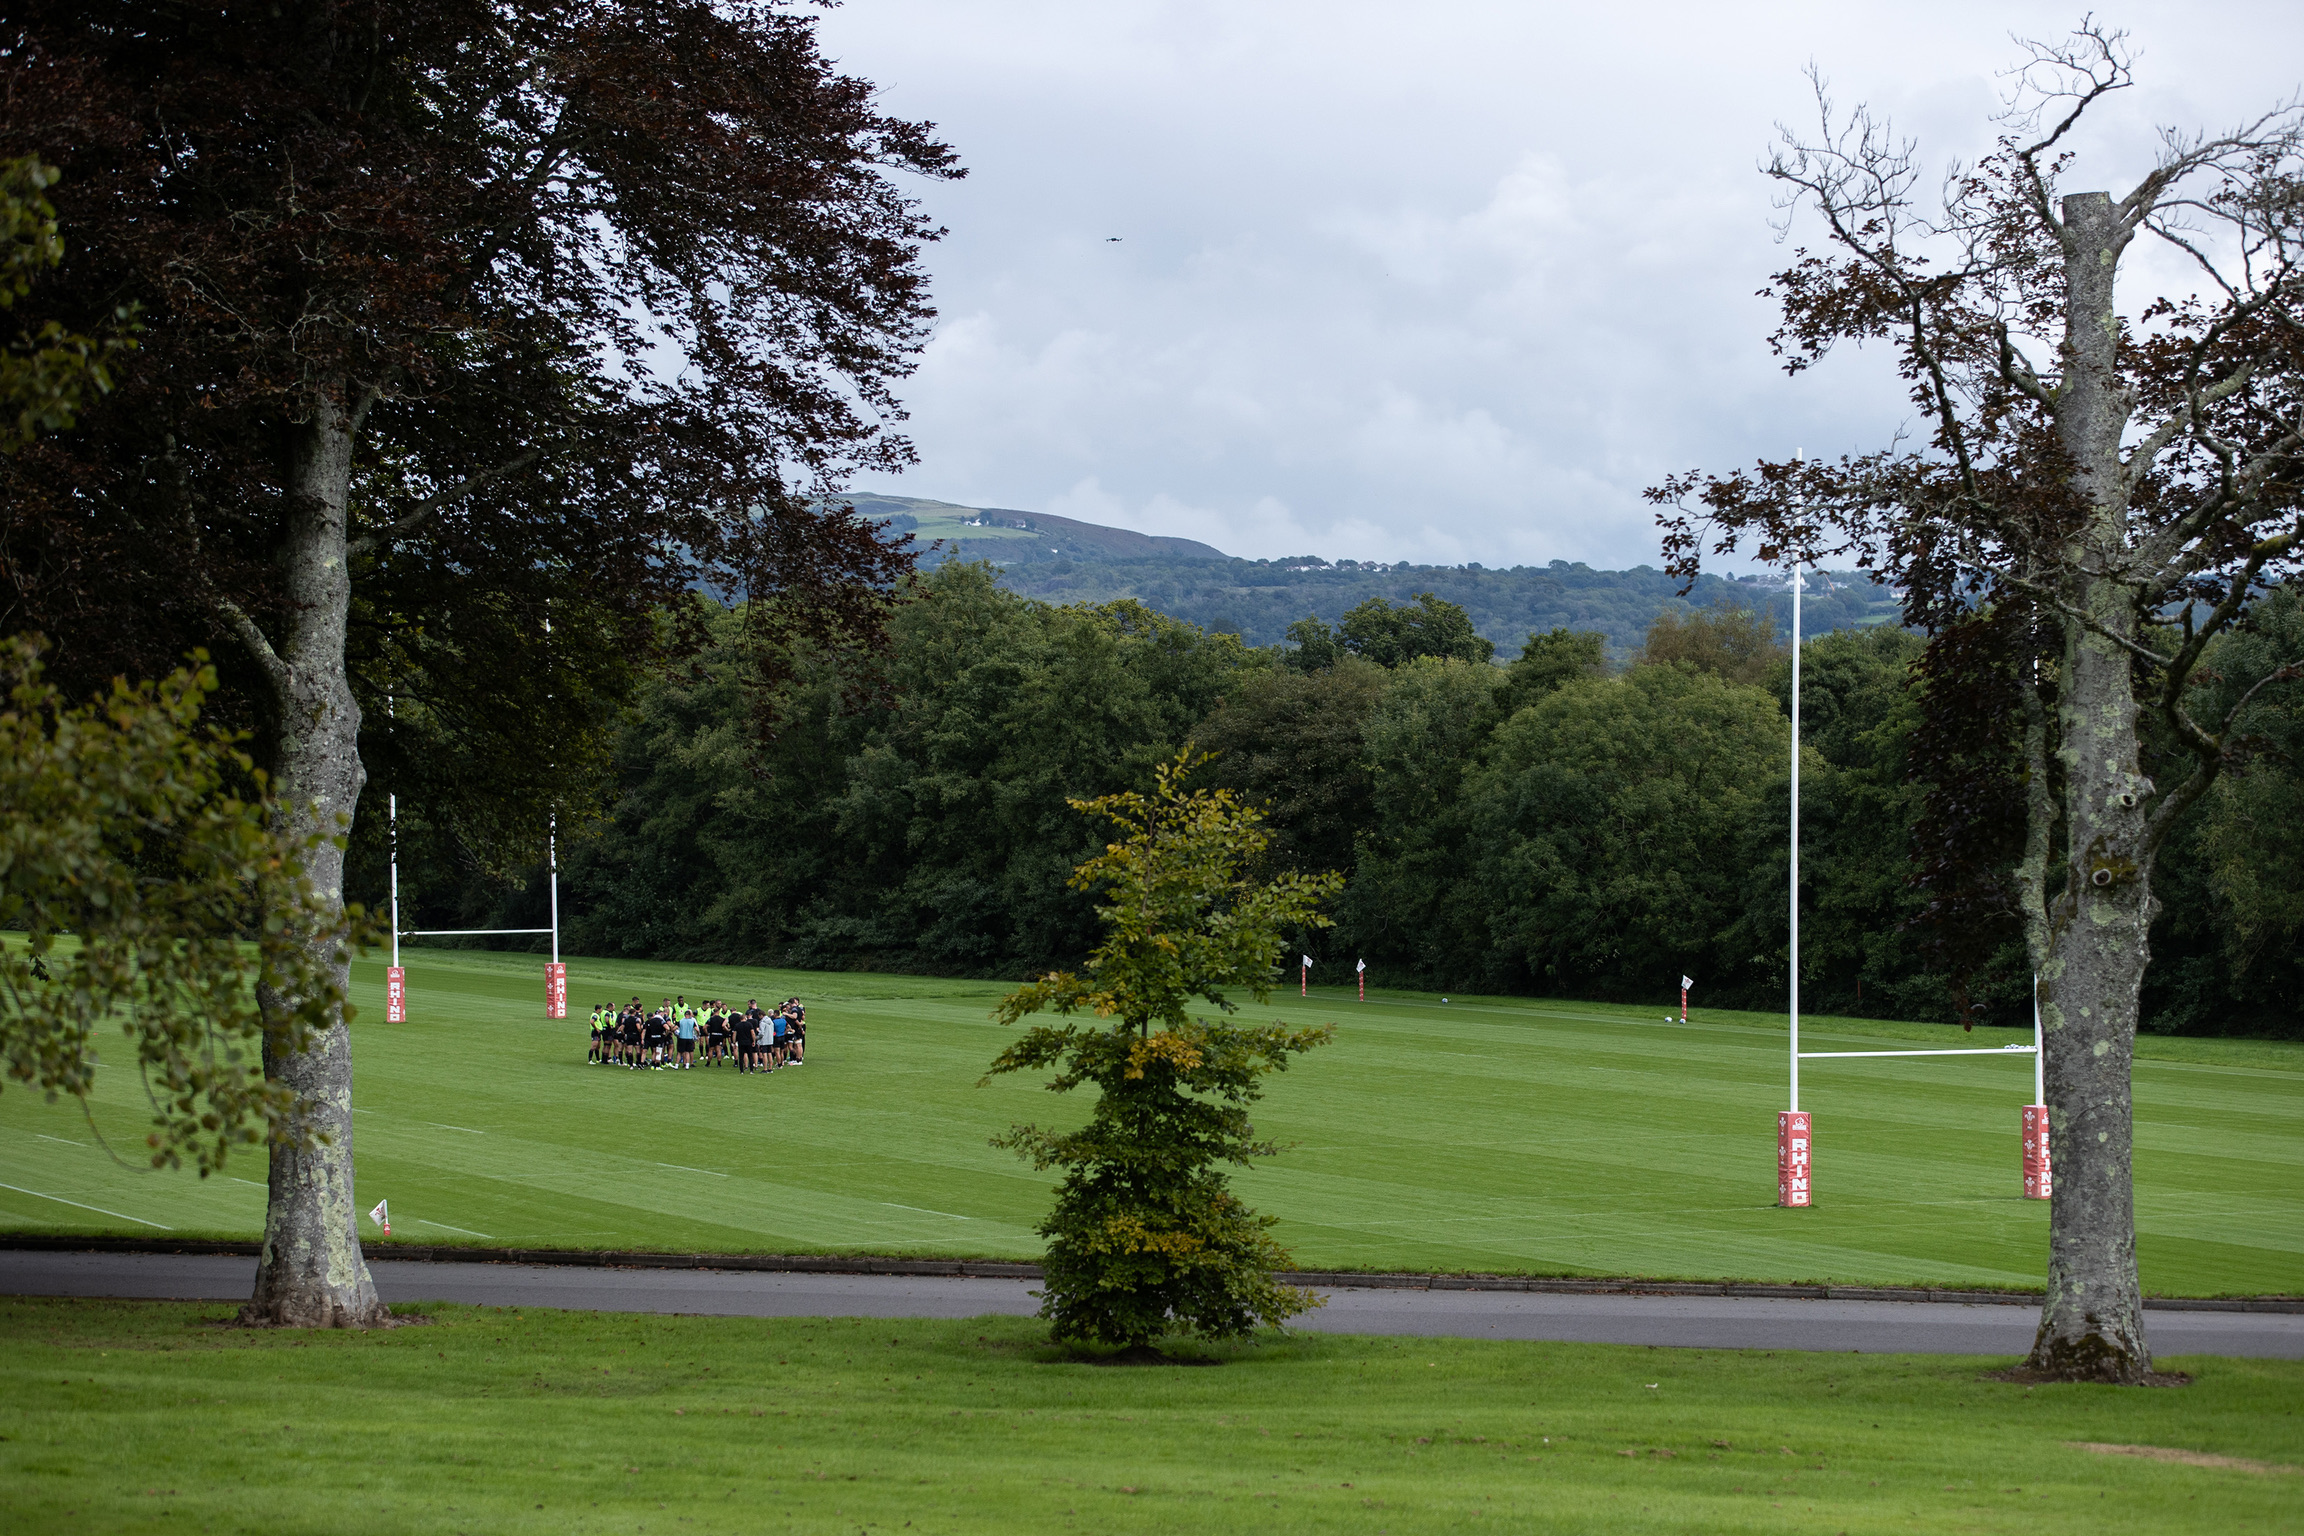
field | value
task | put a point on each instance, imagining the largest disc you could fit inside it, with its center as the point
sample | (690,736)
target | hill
(1009,537)
(1060,560)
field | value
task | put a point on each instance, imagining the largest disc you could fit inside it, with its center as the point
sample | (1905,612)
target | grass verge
(142,1416)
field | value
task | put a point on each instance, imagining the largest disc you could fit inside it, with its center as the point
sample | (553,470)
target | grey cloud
(1448,282)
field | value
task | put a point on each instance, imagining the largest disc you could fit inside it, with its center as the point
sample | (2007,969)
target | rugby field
(1484,1134)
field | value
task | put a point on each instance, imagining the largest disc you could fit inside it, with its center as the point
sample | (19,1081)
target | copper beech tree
(459,316)
(2098,495)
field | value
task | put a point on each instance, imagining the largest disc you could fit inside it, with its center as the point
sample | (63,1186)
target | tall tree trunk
(313,1274)
(2096,938)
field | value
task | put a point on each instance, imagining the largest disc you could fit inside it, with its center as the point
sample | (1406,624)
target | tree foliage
(47,376)
(471,327)
(1291,744)
(913,813)
(1730,640)
(1603,813)
(1145,1235)
(1390,635)
(154,893)
(475,231)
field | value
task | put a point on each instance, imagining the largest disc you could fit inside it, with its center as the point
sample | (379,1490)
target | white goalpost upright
(1795,1128)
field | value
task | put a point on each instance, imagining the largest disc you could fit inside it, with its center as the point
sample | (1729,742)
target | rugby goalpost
(396,978)
(1795,1127)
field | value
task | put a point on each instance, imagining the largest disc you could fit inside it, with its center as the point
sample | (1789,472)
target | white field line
(467,1130)
(59,1140)
(684,1168)
(443,1226)
(923,1210)
(99,1210)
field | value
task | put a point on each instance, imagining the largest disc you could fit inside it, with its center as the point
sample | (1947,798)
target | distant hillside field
(1011,537)
(1060,560)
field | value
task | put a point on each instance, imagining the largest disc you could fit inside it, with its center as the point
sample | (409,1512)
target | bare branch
(244,629)
(2048,595)
(2018,372)
(386,537)
(2091,67)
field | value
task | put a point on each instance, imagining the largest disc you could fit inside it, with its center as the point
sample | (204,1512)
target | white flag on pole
(382,1216)
(1307,962)
(1686,982)
(1363,965)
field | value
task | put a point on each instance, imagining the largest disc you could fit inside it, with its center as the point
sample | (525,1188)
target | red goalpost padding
(2038,1184)
(556,990)
(1792,1156)
(395,995)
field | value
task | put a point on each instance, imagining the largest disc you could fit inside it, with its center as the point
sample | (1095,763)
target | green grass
(1483,1134)
(127,1416)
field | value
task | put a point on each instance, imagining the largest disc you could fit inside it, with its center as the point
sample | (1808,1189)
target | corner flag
(382,1216)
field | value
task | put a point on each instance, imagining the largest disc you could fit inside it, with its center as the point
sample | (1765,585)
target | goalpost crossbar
(1987,1050)
(444,933)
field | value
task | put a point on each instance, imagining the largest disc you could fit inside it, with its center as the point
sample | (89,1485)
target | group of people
(673,1035)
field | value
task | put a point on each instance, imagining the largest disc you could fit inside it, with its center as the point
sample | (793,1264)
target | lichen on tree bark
(312,1274)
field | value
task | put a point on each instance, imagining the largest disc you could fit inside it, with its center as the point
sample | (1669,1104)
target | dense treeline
(1261,598)
(1550,826)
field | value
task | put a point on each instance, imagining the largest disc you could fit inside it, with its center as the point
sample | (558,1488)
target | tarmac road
(1704,1322)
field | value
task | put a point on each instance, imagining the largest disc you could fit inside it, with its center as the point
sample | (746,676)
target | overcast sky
(1439,282)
